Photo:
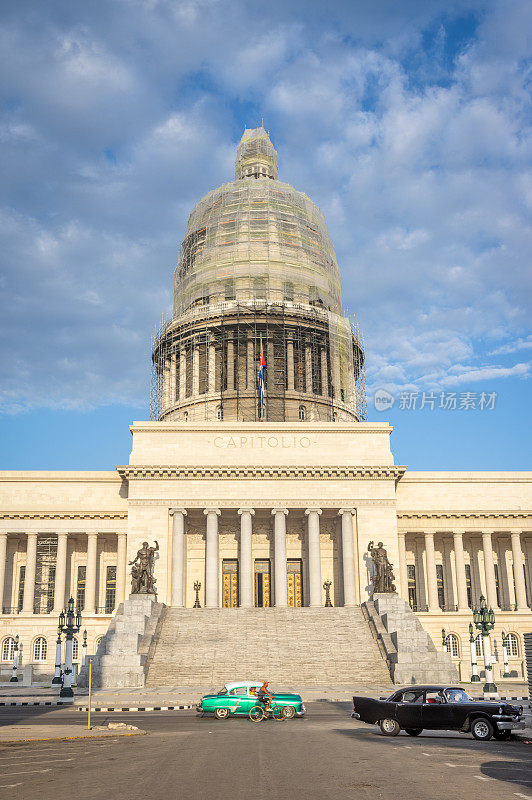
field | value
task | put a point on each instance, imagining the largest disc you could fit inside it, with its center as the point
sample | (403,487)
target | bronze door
(262,582)
(294,570)
(230,583)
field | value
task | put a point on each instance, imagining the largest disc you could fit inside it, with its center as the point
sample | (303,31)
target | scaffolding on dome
(205,364)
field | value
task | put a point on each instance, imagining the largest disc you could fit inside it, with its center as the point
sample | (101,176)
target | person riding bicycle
(264,696)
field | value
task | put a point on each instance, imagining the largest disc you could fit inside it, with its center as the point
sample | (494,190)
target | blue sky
(407,123)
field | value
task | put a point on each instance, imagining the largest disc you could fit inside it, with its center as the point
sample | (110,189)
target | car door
(241,700)
(409,709)
(436,713)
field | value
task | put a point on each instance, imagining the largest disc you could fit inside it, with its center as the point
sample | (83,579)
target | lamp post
(14,678)
(69,624)
(472,645)
(327,586)
(84,649)
(484,620)
(56,680)
(197,587)
(506,673)
(444,640)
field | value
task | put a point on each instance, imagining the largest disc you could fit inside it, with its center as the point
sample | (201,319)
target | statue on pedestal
(142,580)
(383,577)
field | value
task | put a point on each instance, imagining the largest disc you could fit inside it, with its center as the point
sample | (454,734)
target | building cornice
(406,515)
(149,472)
(239,427)
(63,515)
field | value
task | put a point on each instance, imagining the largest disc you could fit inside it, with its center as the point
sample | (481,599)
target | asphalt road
(325,755)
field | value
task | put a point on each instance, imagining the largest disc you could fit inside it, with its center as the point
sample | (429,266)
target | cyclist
(264,696)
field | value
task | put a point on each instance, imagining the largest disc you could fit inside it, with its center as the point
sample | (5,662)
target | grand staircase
(303,646)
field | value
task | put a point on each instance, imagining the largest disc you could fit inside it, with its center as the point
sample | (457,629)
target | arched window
(8,649)
(302,413)
(478,646)
(98,641)
(453,645)
(39,649)
(512,645)
(75,649)
(219,413)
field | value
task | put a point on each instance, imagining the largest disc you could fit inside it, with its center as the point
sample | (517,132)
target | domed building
(273,506)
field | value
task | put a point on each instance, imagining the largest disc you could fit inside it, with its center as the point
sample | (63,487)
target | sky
(407,123)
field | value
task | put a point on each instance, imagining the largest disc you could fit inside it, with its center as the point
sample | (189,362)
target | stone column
(182,373)
(212,578)
(245,578)
(324,373)
(348,556)
(166,383)
(60,573)
(195,370)
(90,585)
(290,373)
(403,569)
(121,568)
(230,365)
(279,573)
(29,575)
(172,393)
(212,368)
(3,557)
(178,557)
(250,367)
(459,562)
(519,572)
(314,555)
(489,570)
(432,580)
(308,369)
(270,376)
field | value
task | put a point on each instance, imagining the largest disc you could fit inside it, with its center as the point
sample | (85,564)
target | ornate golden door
(230,583)
(294,571)
(262,582)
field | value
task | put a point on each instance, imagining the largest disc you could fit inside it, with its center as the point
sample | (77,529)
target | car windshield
(456,696)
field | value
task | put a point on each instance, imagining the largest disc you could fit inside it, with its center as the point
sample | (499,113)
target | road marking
(28,771)
(483,778)
(12,786)
(48,761)
(526,796)
(451,765)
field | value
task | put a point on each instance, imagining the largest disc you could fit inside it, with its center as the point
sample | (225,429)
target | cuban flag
(262,366)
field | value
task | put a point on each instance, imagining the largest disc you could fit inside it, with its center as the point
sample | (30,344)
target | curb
(69,738)
(40,703)
(136,708)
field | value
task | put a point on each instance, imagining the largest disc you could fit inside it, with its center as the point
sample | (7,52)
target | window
(441,586)
(39,649)
(110,589)
(21,577)
(497,585)
(478,646)
(8,649)
(453,647)
(219,413)
(75,649)
(302,413)
(468,585)
(98,641)
(512,645)
(342,395)
(412,588)
(241,691)
(80,588)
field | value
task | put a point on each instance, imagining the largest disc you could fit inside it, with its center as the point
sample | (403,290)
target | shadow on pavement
(517,772)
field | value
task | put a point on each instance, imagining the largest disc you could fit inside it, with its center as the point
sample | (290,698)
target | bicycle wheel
(257,714)
(278,713)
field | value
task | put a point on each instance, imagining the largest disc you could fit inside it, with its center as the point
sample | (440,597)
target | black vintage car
(446,708)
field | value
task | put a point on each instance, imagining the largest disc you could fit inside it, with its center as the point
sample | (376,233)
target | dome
(256,238)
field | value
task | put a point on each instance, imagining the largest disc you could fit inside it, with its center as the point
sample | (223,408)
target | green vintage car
(239,697)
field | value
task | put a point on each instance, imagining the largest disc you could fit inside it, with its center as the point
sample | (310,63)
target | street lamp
(506,673)
(472,644)
(14,678)
(84,648)
(484,620)
(444,640)
(69,624)
(56,680)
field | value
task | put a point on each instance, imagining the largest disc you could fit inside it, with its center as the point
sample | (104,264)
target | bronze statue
(142,580)
(383,577)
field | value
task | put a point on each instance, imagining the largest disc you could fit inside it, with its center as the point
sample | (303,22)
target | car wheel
(413,731)
(501,735)
(482,729)
(221,713)
(289,712)
(389,727)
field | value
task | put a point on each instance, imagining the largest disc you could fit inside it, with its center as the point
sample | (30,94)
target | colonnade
(61,566)
(212,559)
(487,566)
